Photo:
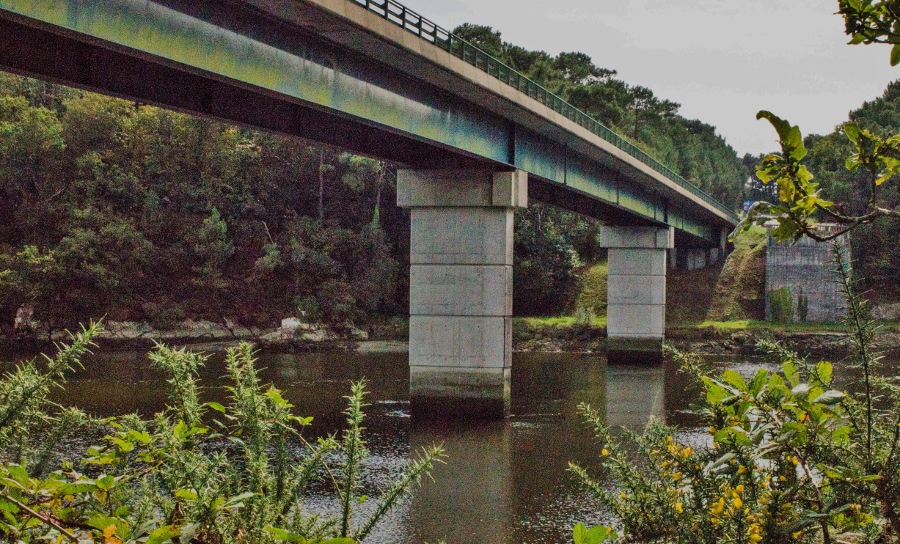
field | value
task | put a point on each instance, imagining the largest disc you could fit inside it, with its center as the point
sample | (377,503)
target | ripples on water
(503,482)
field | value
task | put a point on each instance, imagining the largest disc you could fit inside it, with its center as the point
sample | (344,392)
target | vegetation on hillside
(114,208)
(740,288)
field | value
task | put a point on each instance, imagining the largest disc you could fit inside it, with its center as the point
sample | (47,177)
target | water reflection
(504,481)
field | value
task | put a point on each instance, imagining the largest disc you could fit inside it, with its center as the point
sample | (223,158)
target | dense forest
(110,207)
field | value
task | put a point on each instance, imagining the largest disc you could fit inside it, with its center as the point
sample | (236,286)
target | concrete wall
(804,273)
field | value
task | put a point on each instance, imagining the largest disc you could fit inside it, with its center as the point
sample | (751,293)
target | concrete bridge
(476,139)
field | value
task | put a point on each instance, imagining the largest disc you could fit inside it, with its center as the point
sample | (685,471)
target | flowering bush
(790,458)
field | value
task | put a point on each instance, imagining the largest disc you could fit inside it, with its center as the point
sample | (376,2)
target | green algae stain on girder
(165,33)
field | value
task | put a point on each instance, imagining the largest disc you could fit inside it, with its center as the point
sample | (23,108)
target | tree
(874,158)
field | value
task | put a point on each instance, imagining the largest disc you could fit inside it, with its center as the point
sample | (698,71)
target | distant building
(802,283)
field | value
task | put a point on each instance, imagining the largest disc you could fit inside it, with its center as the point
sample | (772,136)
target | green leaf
(102,522)
(758,381)
(124,445)
(216,406)
(830,397)
(735,379)
(895,55)
(841,435)
(824,371)
(105,483)
(594,535)
(852,131)
(287,536)
(782,127)
(776,382)
(791,373)
(19,475)
(186,494)
(140,436)
(163,534)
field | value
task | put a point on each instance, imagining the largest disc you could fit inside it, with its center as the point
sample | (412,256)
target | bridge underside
(229,61)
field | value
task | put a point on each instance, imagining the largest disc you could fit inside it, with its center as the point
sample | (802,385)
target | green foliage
(140,213)
(593,289)
(740,288)
(544,262)
(792,458)
(781,305)
(199,472)
(874,158)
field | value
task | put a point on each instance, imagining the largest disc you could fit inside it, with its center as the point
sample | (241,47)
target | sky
(722,60)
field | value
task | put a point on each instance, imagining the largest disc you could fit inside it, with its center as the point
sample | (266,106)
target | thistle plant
(206,473)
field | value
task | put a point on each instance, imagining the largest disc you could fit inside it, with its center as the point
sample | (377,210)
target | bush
(781,305)
(199,472)
(791,458)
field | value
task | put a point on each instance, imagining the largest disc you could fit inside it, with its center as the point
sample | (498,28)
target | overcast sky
(722,60)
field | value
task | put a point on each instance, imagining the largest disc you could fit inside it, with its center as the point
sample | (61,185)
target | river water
(504,481)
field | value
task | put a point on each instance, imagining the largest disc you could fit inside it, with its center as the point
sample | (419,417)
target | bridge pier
(460,289)
(636,292)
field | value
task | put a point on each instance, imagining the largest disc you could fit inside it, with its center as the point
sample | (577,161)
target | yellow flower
(679,507)
(739,488)
(737,502)
(686,452)
(754,538)
(623,495)
(718,507)
(742,469)
(676,476)
(604,452)
(796,534)
(108,533)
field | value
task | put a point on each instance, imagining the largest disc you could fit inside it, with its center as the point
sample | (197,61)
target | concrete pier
(460,300)
(636,292)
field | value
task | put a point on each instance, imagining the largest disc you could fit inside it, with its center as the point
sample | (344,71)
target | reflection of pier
(502,473)
(634,394)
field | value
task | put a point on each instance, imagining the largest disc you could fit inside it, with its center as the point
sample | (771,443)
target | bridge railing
(427,30)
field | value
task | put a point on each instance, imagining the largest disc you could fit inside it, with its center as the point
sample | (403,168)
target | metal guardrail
(430,32)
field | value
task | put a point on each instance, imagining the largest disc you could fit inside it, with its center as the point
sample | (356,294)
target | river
(504,481)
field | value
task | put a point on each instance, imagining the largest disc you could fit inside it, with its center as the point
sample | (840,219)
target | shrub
(199,472)
(791,458)
(781,305)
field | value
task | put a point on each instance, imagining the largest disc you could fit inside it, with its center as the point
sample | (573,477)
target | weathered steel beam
(238,62)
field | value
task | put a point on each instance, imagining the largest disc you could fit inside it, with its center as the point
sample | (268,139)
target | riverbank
(530,334)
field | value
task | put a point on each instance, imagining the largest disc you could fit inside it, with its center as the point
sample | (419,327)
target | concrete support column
(636,292)
(460,299)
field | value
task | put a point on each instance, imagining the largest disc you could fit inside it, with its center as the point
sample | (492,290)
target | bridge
(475,139)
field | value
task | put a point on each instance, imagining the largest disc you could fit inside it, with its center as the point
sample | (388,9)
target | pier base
(460,302)
(636,292)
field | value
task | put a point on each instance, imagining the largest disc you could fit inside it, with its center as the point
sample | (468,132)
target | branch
(45,518)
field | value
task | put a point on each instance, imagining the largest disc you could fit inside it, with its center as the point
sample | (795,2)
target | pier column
(460,288)
(636,292)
